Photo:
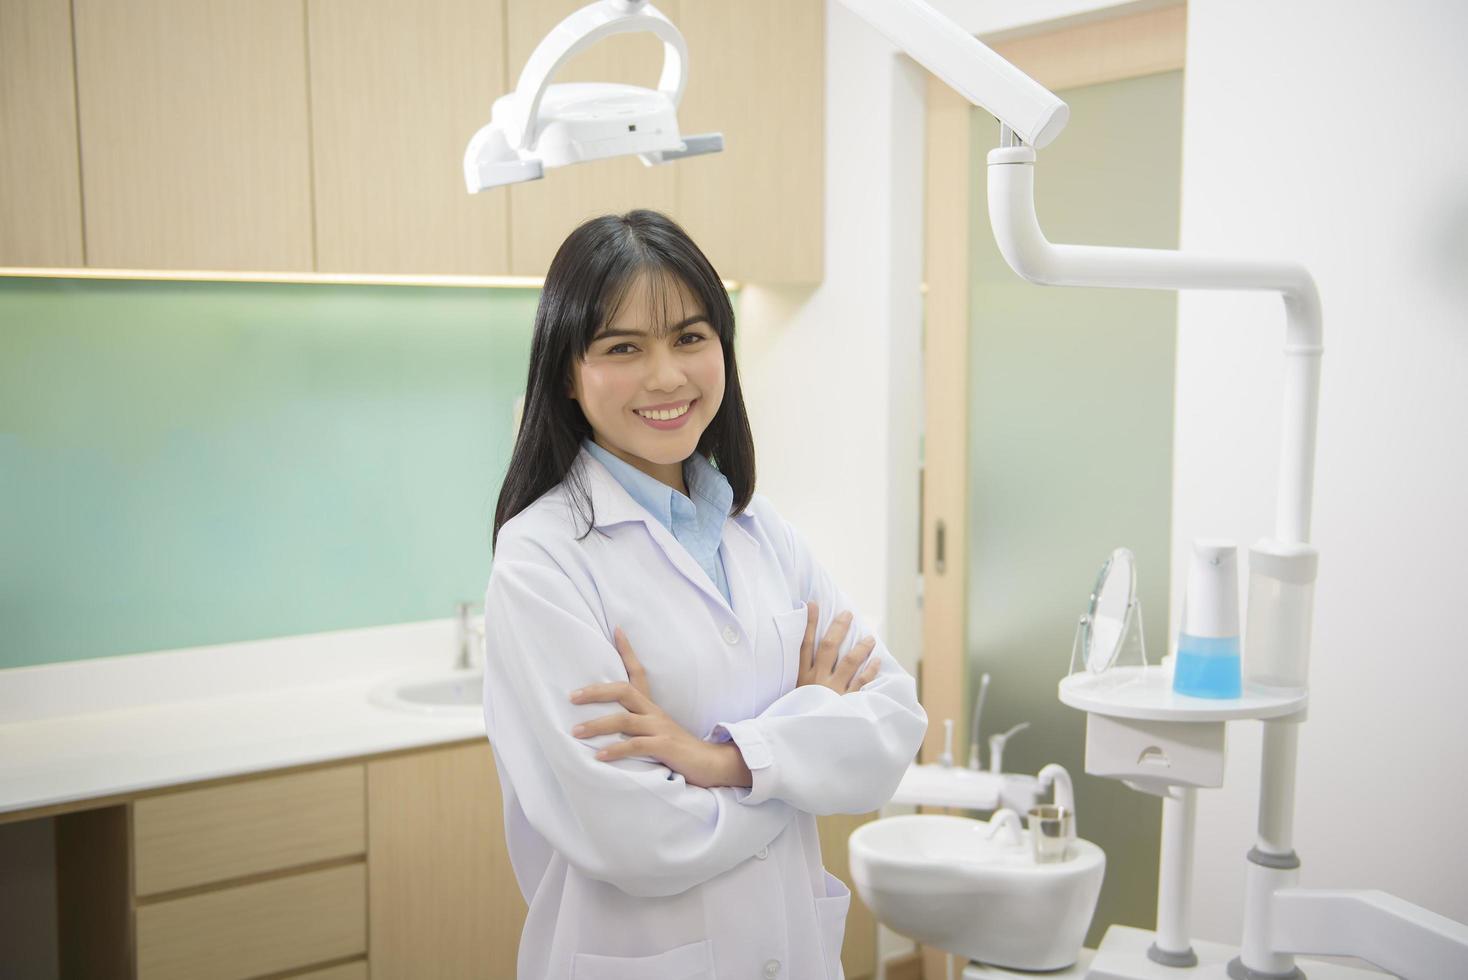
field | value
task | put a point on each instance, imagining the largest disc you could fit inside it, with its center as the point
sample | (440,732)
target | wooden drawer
(255,929)
(208,835)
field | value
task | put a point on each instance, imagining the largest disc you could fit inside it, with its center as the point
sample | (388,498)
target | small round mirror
(1106,618)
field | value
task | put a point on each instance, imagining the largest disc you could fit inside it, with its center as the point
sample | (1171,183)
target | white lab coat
(629,872)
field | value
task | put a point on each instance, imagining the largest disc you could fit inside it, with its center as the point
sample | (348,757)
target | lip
(665,426)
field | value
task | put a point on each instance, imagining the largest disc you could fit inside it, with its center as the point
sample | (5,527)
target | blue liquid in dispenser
(1207,667)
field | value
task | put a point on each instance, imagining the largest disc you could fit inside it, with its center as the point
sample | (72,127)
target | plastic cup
(1050,832)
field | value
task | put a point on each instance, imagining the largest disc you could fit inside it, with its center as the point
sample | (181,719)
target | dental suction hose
(973,741)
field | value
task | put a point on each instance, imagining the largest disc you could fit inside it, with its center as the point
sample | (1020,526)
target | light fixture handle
(575,34)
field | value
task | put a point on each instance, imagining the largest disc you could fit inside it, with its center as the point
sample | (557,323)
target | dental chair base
(1122,955)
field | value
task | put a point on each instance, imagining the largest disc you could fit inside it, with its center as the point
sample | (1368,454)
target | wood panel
(94,895)
(207,835)
(948,220)
(544,212)
(442,888)
(250,930)
(758,76)
(194,143)
(1103,50)
(40,183)
(397,89)
(859,949)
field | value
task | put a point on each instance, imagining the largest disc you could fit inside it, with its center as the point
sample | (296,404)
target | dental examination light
(540,125)
(1280,918)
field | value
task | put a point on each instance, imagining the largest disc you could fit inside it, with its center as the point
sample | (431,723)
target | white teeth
(665,415)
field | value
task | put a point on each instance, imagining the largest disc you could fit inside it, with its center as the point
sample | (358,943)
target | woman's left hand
(652,732)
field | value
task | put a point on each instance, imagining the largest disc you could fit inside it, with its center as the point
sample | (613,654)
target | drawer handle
(1153,756)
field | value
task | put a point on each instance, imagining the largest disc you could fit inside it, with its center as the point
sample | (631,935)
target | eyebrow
(696,318)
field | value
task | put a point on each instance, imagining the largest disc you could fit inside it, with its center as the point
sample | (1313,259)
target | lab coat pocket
(695,961)
(790,628)
(831,914)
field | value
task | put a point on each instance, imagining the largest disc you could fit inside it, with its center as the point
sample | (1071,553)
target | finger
(621,691)
(624,721)
(627,748)
(826,655)
(867,675)
(808,642)
(853,659)
(635,672)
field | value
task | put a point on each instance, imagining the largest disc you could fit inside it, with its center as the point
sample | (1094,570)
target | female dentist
(674,839)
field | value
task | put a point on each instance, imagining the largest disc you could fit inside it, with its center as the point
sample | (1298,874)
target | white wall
(1333,133)
(832,374)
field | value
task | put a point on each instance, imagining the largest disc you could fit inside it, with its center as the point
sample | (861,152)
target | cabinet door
(194,139)
(757,74)
(397,89)
(859,948)
(40,188)
(543,212)
(443,897)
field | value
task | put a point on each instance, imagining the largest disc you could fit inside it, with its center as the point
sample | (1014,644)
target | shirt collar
(706,485)
(621,492)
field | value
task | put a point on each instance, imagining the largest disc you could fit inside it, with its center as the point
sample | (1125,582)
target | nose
(664,372)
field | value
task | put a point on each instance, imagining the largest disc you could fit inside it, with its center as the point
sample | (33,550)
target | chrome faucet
(468,630)
(996,746)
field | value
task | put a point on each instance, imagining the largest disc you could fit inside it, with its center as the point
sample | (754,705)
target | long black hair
(588,280)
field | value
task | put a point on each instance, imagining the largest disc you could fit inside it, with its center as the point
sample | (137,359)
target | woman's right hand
(818,662)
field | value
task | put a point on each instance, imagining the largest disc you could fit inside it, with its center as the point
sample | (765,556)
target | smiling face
(653,377)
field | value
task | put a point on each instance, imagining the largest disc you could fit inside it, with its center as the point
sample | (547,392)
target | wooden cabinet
(396,91)
(265,137)
(242,879)
(40,185)
(276,874)
(393,866)
(256,929)
(758,75)
(194,129)
(201,836)
(443,895)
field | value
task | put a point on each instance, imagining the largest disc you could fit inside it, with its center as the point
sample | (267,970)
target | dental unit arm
(1280,919)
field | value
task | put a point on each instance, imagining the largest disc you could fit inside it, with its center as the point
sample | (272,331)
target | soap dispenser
(1208,664)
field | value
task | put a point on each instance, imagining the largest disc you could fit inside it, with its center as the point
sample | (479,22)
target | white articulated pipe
(1025,248)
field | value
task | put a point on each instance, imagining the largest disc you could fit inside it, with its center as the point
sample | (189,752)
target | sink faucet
(468,631)
(996,746)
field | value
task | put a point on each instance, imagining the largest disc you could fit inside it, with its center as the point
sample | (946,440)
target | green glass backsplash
(189,463)
(1070,452)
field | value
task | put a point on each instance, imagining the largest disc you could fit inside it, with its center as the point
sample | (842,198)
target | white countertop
(114,726)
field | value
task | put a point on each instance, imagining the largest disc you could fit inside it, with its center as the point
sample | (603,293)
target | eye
(617,348)
(695,335)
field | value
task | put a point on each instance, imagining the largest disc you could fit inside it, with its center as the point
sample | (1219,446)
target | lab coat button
(762,853)
(772,969)
(731,635)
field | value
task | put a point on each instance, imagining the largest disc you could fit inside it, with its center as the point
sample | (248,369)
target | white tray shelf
(1145,693)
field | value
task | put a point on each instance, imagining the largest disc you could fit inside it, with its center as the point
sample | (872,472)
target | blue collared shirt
(696,522)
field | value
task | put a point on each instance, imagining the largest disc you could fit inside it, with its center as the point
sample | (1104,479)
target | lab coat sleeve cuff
(756,752)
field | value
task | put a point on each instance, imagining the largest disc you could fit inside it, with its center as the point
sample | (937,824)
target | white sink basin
(941,881)
(453,693)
